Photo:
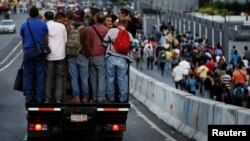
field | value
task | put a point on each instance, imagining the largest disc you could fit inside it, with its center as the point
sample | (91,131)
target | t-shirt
(227,80)
(202,71)
(239,76)
(39,29)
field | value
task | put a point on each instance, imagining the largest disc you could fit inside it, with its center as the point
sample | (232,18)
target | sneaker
(122,101)
(58,102)
(46,101)
(85,99)
(75,100)
(104,101)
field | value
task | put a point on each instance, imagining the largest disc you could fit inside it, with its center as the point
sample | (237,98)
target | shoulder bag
(18,85)
(99,35)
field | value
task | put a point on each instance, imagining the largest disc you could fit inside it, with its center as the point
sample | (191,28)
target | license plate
(79,118)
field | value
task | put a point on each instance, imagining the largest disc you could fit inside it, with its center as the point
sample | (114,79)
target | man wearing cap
(78,65)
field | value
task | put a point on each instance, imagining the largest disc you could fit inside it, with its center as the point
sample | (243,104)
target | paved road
(155,73)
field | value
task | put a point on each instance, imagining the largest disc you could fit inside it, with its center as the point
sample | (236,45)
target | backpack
(234,59)
(162,56)
(122,42)
(238,93)
(217,81)
(73,45)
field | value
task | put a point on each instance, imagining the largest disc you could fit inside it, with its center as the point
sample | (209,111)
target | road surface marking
(25,137)
(152,124)
(7,65)
(13,50)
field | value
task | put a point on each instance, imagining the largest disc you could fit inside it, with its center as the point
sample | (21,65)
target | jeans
(168,67)
(33,75)
(150,62)
(117,67)
(179,84)
(206,94)
(162,66)
(57,69)
(139,63)
(97,71)
(78,66)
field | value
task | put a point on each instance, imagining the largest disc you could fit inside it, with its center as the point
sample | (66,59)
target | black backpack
(162,56)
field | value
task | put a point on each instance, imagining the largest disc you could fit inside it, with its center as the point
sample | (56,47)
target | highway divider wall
(185,112)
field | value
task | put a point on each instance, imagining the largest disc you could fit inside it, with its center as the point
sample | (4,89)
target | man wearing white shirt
(56,59)
(178,77)
(149,54)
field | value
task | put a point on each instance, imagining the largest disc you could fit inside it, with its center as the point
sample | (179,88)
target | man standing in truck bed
(117,62)
(97,58)
(78,64)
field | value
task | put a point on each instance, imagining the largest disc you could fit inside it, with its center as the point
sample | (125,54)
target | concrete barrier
(198,114)
(132,81)
(226,114)
(177,104)
(185,112)
(243,117)
(156,98)
(143,89)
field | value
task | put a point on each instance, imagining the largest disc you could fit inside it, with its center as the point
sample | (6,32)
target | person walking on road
(178,77)
(34,66)
(149,54)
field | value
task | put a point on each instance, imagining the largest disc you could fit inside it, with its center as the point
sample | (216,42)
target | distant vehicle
(48,9)
(241,33)
(7,26)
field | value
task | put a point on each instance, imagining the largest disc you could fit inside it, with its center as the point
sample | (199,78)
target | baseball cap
(78,14)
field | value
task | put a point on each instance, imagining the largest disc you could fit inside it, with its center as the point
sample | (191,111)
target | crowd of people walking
(194,64)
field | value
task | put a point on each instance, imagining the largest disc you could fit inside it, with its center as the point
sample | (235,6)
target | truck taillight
(115,127)
(38,127)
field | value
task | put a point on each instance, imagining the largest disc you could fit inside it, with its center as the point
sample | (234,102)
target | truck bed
(94,121)
(69,121)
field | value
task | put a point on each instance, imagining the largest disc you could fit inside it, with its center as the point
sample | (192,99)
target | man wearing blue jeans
(78,65)
(97,58)
(116,64)
(34,66)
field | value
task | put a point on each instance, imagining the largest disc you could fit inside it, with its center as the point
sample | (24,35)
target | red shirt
(96,45)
